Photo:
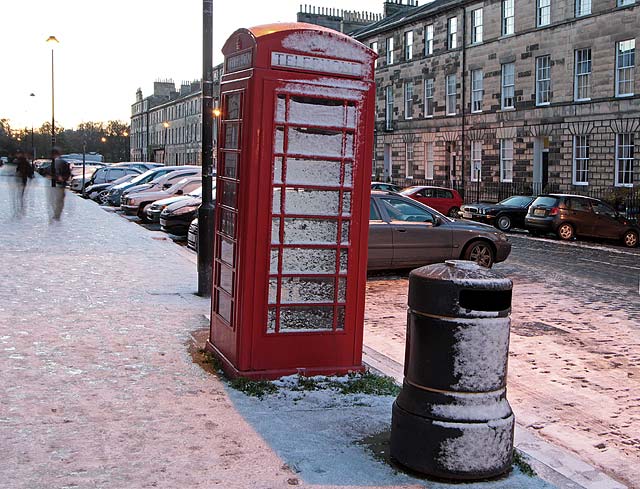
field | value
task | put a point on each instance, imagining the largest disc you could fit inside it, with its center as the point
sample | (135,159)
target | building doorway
(450,158)
(540,164)
(387,162)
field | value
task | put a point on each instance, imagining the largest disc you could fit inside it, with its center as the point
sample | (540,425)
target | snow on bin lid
(464,273)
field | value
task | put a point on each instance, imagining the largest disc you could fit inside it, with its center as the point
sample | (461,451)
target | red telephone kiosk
(292,216)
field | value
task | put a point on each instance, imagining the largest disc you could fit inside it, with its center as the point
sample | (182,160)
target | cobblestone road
(574,371)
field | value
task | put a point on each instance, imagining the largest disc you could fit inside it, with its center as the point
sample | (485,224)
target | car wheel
(142,215)
(565,231)
(503,223)
(103,197)
(453,212)
(480,252)
(630,239)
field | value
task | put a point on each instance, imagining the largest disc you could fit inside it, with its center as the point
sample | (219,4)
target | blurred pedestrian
(62,167)
(24,170)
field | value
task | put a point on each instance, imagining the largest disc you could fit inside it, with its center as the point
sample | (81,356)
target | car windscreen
(516,201)
(408,190)
(196,193)
(178,185)
(145,177)
(545,201)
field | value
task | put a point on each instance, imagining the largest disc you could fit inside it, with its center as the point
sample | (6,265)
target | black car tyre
(503,223)
(630,239)
(453,212)
(565,231)
(480,252)
(103,197)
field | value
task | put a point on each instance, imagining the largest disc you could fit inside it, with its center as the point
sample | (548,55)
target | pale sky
(109,48)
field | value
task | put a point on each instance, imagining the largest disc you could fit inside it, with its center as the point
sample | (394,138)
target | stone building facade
(166,127)
(543,93)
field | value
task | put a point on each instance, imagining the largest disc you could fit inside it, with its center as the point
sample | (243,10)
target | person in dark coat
(62,167)
(24,170)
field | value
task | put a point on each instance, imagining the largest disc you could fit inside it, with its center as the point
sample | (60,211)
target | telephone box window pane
(277,197)
(316,112)
(229,194)
(312,202)
(273,265)
(314,142)
(340,319)
(227,222)
(301,319)
(233,106)
(348,174)
(342,290)
(313,172)
(277,170)
(273,290)
(230,165)
(224,306)
(281,108)
(275,231)
(231,135)
(348,146)
(344,237)
(351,116)
(226,279)
(346,204)
(271,320)
(305,260)
(226,251)
(279,140)
(304,231)
(344,260)
(300,290)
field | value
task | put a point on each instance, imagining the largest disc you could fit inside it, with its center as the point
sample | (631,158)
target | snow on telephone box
(292,216)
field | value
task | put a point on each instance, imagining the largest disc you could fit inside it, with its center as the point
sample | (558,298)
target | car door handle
(402,230)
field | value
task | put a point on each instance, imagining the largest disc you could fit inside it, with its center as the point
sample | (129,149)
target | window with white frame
(543,13)
(506,160)
(624,3)
(543,80)
(625,66)
(508,17)
(429,162)
(389,48)
(582,82)
(388,115)
(374,48)
(452,33)
(409,160)
(408,45)
(583,7)
(476,26)
(508,85)
(451,95)
(428,40)
(477,90)
(408,100)
(625,159)
(476,161)
(428,97)
(581,160)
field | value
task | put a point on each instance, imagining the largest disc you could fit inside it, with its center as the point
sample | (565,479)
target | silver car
(404,233)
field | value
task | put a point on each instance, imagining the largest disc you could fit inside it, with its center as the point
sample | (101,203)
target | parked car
(504,215)
(192,235)
(390,187)
(444,200)
(116,192)
(106,174)
(176,217)
(155,209)
(100,191)
(569,216)
(163,182)
(135,203)
(404,233)
(44,167)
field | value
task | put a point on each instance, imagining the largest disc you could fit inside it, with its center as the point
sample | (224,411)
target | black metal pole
(84,157)
(206,210)
(53,126)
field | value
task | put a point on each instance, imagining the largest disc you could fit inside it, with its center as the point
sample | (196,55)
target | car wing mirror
(179,192)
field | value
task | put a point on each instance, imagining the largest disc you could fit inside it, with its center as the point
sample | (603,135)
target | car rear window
(545,202)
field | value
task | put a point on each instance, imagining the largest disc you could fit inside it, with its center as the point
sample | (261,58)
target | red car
(444,200)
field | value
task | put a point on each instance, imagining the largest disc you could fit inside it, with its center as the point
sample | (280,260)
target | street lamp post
(33,146)
(52,40)
(206,210)
(164,146)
